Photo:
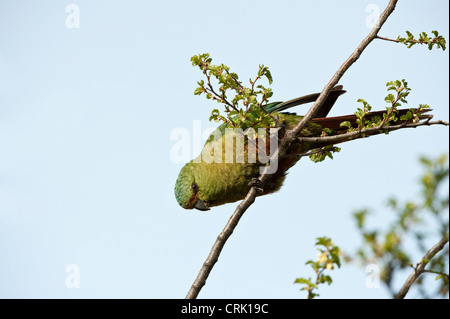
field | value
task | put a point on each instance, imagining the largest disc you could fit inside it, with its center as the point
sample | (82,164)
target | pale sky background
(85,120)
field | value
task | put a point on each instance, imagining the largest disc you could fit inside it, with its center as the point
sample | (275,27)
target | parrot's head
(188,189)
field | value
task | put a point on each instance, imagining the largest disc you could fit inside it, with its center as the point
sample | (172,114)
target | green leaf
(308,282)
(390,98)
(323,241)
(198,91)
(326,279)
(346,124)
(406,117)
(444,277)
(268,76)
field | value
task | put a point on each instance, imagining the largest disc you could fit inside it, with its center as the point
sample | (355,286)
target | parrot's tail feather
(324,110)
(329,102)
(334,123)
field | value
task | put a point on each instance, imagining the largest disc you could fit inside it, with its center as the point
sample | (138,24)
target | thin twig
(409,41)
(235,80)
(290,136)
(387,39)
(391,109)
(216,95)
(421,267)
(333,149)
(436,272)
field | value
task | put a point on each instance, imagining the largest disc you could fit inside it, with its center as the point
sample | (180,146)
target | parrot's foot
(257,185)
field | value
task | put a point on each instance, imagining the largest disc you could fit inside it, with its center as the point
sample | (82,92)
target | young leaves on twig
(437,40)
(328,257)
(431,41)
(401,92)
(244,106)
(320,154)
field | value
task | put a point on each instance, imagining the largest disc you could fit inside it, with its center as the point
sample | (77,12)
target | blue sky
(85,121)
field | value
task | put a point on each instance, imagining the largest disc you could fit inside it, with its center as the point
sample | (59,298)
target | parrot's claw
(257,185)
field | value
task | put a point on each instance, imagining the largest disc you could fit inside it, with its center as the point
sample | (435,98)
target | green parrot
(202,185)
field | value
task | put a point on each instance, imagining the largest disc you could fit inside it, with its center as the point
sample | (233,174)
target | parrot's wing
(325,109)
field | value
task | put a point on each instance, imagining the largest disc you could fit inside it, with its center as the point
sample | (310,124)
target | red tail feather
(334,122)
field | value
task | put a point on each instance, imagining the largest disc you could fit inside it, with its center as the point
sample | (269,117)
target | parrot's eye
(194,187)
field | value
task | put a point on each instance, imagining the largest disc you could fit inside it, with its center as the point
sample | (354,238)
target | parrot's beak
(200,205)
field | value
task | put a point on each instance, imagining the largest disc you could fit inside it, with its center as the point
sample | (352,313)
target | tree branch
(344,67)
(420,268)
(357,134)
(279,153)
